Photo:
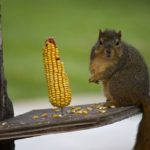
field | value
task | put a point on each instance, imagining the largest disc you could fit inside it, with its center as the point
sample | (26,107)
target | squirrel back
(124,76)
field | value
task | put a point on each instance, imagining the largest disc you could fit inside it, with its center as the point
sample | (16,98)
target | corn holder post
(59,90)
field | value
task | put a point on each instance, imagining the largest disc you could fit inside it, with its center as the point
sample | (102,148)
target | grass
(75,25)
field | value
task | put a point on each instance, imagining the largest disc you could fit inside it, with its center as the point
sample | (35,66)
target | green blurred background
(74,24)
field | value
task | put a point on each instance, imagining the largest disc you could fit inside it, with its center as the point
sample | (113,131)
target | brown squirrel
(125,78)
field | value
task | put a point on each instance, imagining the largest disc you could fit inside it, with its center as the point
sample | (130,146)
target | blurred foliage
(75,25)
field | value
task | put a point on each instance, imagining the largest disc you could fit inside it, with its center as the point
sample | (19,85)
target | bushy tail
(143,135)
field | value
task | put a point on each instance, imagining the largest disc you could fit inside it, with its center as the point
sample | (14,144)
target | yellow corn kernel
(35,117)
(59,90)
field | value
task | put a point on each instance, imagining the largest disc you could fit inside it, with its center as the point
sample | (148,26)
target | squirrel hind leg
(110,104)
(115,103)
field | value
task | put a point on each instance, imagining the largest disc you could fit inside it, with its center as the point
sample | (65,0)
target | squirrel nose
(108,53)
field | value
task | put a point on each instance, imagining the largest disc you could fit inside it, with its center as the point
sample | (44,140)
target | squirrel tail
(143,135)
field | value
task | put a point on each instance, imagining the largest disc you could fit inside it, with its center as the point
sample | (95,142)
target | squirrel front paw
(93,79)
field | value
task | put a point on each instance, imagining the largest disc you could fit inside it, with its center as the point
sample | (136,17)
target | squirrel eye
(100,42)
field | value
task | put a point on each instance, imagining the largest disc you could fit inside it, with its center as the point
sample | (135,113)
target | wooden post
(6,107)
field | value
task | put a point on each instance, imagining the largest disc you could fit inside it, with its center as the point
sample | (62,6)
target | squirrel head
(106,53)
(108,45)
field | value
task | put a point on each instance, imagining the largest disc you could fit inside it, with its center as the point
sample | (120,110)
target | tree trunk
(6,107)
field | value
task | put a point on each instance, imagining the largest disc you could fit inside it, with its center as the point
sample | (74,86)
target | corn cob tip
(51,40)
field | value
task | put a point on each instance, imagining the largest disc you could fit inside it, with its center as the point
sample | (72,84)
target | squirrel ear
(100,33)
(119,34)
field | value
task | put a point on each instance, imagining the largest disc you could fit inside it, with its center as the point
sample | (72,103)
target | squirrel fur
(125,78)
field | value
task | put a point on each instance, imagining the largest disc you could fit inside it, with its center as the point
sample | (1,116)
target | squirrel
(125,78)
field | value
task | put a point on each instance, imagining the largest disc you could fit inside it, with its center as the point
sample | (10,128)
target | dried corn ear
(59,90)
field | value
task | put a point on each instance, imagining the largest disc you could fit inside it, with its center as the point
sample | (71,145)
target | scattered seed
(102,111)
(101,107)
(22,123)
(78,112)
(77,108)
(45,115)
(56,109)
(4,123)
(104,107)
(85,112)
(89,108)
(35,117)
(56,115)
(112,106)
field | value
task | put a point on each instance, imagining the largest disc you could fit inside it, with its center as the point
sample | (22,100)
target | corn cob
(59,90)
